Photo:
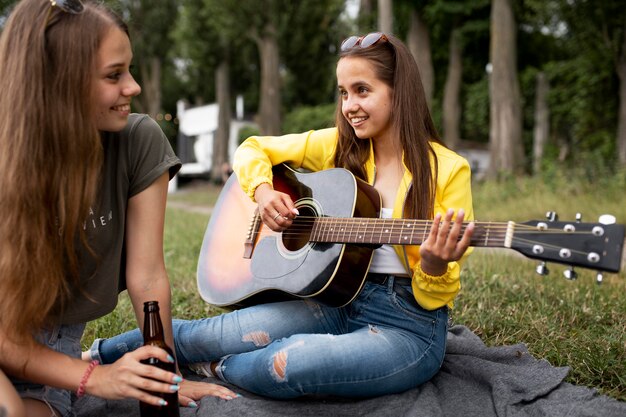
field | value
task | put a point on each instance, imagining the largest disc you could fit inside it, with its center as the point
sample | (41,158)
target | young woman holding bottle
(83,185)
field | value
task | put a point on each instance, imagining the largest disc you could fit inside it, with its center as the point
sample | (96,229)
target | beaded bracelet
(83,381)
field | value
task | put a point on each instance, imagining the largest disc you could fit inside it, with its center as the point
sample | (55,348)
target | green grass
(198,194)
(569,323)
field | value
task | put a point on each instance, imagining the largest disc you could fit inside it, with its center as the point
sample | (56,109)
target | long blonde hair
(50,156)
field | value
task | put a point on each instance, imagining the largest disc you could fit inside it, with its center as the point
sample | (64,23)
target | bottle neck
(152,325)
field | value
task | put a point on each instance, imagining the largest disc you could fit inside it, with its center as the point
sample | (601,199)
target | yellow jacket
(315,151)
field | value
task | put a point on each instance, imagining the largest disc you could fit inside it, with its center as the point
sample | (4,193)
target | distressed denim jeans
(381,343)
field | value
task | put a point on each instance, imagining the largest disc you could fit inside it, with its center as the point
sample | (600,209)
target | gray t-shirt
(133,159)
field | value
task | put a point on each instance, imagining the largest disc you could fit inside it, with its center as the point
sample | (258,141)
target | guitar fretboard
(401,231)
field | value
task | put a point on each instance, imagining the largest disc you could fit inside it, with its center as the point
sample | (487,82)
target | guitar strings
(302,226)
(496,242)
(500,244)
(373,225)
(391,222)
(416,225)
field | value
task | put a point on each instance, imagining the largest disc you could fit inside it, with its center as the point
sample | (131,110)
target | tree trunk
(419,44)
(222,135)
(150,97)
(451,94)
(542,121)
(365,15)
(621,123)
(270,101)
(365,7)
(385,16)
(505,130)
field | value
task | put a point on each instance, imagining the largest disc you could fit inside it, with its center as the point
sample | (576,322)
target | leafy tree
(366,19)
(598,30)
(256,21)
(206,62)
(294,43)
(457,23)
(276,42)
(310,52)
(197,53)
(576,44)
(5,8)
(149,23)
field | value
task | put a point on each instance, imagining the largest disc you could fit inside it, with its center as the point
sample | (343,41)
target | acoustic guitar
(326,252)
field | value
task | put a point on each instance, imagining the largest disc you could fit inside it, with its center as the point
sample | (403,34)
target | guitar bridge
(253,231)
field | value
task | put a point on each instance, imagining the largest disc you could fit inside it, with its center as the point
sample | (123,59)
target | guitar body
(285,265)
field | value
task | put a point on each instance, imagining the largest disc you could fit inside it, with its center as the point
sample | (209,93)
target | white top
(385,259)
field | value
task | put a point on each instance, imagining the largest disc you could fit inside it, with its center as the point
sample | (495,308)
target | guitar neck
(402,231)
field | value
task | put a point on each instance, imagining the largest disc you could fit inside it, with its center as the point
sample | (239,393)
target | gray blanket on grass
(475,380)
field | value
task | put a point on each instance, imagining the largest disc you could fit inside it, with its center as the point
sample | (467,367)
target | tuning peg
(579,217)
(552,216)
(542,269)
(599,278)
(570,274)
(607,219)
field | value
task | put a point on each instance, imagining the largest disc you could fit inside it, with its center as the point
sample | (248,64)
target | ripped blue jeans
(381,343)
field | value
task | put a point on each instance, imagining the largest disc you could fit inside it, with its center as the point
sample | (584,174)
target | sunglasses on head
(363,42)
(68,6)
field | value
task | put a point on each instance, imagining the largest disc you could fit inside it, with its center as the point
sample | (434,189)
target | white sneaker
(202,368)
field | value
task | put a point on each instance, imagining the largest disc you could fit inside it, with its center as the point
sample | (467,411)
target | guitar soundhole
(298,235)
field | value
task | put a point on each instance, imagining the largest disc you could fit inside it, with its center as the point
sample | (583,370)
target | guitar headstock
(589,245)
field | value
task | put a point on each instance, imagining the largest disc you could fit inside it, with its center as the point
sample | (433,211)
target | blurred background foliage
(579,45)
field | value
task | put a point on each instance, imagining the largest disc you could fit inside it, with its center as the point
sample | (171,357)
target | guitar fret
(349,233)
(384,230)
(344,224)
(347,229)
(397,235)
(326,231)
(391,231)
(314,229)
(488,229)
(342,229)
(362,234)
(403,237)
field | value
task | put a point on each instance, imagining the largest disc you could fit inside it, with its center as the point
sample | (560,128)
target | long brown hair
(394,65)
(50,156)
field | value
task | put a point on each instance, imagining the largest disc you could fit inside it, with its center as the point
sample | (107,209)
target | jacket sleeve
(255,157)
(453,191)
